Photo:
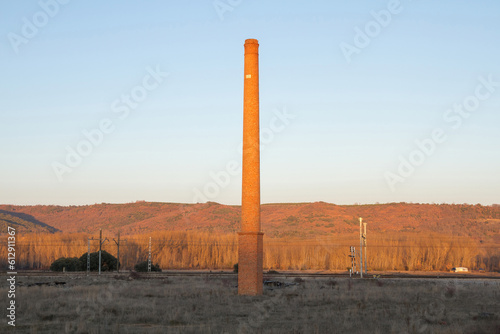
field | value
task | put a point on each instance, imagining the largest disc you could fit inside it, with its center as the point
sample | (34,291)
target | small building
(459,269)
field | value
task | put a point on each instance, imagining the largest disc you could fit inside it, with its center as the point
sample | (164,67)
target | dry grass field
(132,303)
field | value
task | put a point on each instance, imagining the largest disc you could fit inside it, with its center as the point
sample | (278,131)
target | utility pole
(118,254)
(361,246)
(353,260)
(100,248)
(88,254)
(118,251)
(364,242)
(149,257)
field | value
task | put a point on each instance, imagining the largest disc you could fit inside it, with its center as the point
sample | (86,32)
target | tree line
(204,250)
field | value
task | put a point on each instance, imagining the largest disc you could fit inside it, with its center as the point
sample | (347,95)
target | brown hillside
(302,220)
(23,223)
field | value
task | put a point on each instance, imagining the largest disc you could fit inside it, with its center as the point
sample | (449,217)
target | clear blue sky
(351,118)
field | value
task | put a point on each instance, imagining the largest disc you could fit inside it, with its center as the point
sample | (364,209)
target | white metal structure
(361,246)
(149,257)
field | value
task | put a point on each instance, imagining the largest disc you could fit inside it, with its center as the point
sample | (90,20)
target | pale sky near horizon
(347,89)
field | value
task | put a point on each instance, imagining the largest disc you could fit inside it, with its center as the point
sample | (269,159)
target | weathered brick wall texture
(250,238)
(250,263)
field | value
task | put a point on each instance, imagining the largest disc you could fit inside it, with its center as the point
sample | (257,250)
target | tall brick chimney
(250,238)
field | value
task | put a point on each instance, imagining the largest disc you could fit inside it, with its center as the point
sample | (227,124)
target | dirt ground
(142,303)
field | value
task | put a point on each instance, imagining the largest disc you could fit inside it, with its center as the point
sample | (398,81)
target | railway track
(273,275)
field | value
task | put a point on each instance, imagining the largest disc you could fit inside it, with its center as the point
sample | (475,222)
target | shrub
(298,280)
(108,261)
(69,263)
(143,267)
(235,268)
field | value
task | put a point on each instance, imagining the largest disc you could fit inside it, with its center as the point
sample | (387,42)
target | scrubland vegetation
(142,303)
(297,220)
(202,250)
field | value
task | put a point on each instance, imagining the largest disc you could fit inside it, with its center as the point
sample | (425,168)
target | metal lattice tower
(361,247)
(88,257)
(364,244)
(149,257)
(353,260)
(88,254)
(101,241)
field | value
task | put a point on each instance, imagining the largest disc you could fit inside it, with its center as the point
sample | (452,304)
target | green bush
(108,261)
(143,267)
(69,263)
(235,268)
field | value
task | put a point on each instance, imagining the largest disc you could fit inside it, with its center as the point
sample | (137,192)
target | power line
(278,244)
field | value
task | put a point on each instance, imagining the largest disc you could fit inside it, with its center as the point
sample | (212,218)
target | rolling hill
(301,220)
(23,223)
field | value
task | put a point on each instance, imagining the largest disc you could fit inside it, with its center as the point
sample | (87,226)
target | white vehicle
(459,269)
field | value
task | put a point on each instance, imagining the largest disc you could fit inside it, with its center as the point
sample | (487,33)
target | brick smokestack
(250,238)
